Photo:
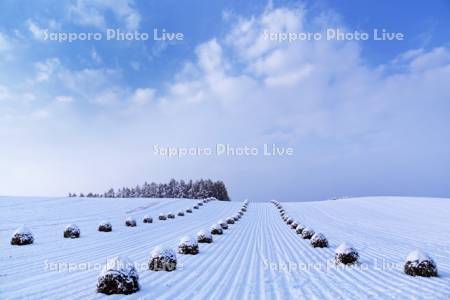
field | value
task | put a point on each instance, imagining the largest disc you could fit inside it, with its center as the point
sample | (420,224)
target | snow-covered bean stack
(118,276)
(203,236)
(72,231)
(22,236)
(223,224)
(170,215)
(318,240)
(180,213)
(147,219)
(105,226)
(346,254)
(162,216)
(307,233)
(130,222)
(418,263)
(299,228)
(216,229)
(188,245)
(162,258)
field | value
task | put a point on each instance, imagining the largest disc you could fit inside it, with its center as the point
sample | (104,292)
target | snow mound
(105,226)
(216,229)
(188,245)
(223,224)
(162,258)
(318,240)
(307,233)
(299,229)
(203,236)
(418,263)
(346,254)
(118,276)
(147,219)
(72,231)
(22,236)
(131,222)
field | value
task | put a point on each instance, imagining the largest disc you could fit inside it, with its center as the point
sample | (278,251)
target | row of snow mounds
(119,275)
(23,235)
(417,263)
(165,216)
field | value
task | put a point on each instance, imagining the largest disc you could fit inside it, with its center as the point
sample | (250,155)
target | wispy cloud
(38,32)
(93,13)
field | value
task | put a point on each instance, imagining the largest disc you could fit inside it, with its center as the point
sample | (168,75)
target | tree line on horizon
(199,189)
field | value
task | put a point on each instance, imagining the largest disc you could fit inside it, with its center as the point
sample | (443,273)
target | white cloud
(210,57)
(109,97)
(142,96)
(290,78)
(38,32)
(437,57)
(89,80)
(64,99)
(46,69)
(92,13)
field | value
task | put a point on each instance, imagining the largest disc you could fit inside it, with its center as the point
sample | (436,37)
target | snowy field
(258,257)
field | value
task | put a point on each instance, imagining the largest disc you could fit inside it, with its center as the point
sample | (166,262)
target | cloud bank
(356,129)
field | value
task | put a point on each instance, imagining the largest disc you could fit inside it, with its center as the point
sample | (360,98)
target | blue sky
(364,117)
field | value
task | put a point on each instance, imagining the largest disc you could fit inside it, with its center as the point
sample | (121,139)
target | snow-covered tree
(199,189)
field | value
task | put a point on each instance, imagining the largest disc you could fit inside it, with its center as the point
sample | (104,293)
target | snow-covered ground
(258,257)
